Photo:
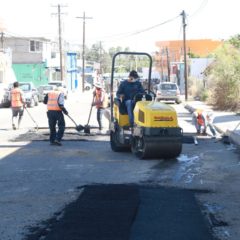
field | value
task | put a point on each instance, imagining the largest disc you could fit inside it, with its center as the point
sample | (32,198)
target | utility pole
(185,53)
(100,57)
(83,49)
(161,67)
(60,41)
(168,64)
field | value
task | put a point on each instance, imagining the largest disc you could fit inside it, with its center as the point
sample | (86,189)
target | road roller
(155,133)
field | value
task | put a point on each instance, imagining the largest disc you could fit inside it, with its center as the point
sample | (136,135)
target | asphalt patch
(101,212)
(169,214)
(127,212)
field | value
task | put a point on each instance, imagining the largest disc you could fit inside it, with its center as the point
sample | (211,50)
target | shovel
(78,127)
(31,117)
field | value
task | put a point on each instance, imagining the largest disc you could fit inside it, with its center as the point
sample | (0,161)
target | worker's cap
(133,74)
(98,85)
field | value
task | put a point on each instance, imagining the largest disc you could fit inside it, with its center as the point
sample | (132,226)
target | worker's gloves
(65,111)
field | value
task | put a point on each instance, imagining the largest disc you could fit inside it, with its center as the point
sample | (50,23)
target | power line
(129,34)
(155,26)
(200,8)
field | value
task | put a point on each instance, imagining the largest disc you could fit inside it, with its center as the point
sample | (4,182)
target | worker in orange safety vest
(17,105)
(100,101)
(55,107)
(199,121)
(203,119)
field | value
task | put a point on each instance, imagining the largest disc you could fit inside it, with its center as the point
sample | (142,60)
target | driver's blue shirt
(129,89)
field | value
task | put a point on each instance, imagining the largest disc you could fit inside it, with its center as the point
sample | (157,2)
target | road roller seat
(121,106)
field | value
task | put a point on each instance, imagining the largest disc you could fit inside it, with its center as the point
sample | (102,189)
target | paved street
(38,181)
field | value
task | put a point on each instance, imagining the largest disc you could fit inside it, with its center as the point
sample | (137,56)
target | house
(29,58)
(37,60)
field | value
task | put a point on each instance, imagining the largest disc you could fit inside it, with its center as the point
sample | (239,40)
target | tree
(235,41)
(124,63)
(223,77)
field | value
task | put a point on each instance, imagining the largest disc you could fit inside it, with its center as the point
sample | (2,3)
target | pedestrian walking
(127,91)
(55,107)
(100,101)
(17,105)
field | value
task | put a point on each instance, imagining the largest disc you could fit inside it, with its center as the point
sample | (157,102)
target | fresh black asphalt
(127,212)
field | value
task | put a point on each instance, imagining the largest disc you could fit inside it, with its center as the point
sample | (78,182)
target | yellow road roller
(155,132)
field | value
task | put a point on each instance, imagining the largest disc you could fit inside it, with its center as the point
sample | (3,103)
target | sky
(137,24)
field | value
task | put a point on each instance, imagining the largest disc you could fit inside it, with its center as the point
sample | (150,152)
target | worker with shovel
(17,104)
(100,101)
(55,106)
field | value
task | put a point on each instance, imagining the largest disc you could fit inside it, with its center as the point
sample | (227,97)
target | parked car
(30,93)
(4,95)
(168,91)
(62,86)
(43,90)
(87,86)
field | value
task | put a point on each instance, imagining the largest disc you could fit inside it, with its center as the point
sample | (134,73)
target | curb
(234,137)
(189,108)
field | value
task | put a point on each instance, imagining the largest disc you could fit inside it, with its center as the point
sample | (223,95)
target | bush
(223,78)
(196,89)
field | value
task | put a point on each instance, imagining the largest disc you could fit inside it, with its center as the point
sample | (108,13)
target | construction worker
(17,104)
(202,120)
(55,106)
(126,92)
(100,101)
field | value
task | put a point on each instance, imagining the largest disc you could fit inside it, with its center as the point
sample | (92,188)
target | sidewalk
(227,123)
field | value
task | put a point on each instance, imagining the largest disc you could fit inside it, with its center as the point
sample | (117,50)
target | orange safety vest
(16,97)
(52,103)
(101,99)
(200,119)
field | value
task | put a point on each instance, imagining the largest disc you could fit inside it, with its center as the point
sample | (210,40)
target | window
(53,55)
(35,46)
(25,86)
(168,87)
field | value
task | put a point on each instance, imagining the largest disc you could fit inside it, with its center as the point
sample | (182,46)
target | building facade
(29,58)
(169,58)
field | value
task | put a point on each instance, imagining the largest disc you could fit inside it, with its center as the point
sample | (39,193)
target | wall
(21,51)
(198,65)
(6,72)
(35,73)
(201,47)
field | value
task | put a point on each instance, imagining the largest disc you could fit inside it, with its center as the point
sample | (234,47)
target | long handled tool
(87,126)
(78,127)
(31,117)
